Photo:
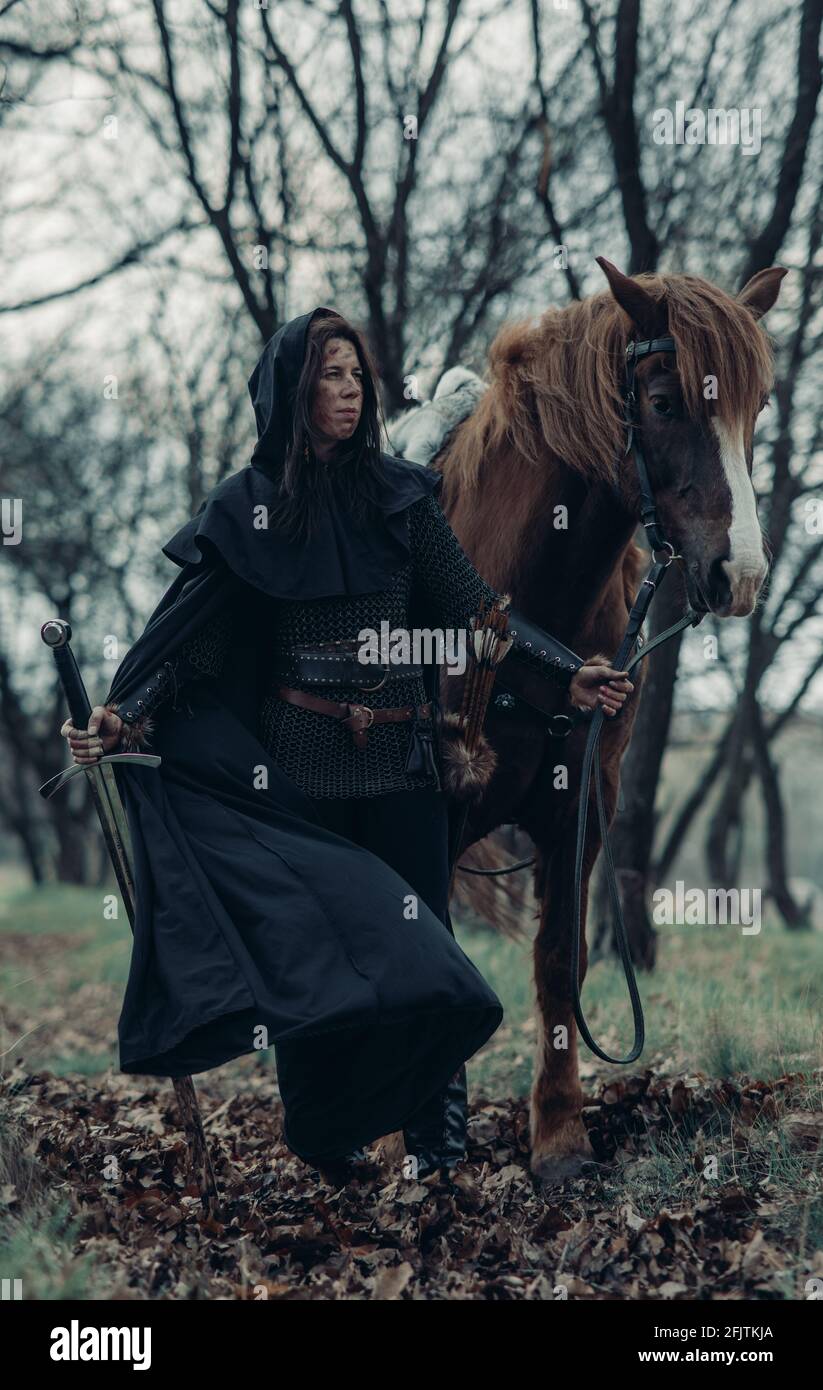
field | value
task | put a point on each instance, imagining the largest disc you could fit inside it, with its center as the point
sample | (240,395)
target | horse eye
(684,491)
(661,405)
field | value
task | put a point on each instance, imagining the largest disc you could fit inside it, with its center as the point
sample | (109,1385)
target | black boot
(341,1170)
(436,1133)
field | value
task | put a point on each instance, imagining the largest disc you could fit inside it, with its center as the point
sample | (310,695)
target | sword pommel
(56,632)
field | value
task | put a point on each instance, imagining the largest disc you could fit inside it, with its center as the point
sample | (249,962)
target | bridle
(648,510)
(623,661)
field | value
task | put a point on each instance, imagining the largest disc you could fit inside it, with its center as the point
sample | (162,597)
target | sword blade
(112,816)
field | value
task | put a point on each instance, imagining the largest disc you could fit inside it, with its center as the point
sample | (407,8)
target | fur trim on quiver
(465,774)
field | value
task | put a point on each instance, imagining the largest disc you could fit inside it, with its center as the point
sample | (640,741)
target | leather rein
(623,661)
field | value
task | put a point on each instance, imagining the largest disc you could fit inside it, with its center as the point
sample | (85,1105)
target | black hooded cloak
(255,925)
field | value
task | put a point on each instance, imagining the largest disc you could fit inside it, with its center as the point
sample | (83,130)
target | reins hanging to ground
(623,661)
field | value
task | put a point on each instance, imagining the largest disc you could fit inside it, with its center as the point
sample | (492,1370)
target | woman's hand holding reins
(597,683)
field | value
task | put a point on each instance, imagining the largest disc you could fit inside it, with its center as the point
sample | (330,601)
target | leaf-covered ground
(97,1200)
(709,1185)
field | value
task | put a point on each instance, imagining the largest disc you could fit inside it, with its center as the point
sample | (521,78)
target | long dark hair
(354,471)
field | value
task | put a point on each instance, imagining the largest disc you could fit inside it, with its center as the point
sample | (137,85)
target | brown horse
(537,488)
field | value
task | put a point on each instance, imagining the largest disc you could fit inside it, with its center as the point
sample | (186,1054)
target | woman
(291,851)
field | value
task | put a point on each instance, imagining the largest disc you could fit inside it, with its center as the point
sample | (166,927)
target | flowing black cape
(255,925)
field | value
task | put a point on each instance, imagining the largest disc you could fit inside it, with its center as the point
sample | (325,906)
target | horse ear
(762,290)
(642,309)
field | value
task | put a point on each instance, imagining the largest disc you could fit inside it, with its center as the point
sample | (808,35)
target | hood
(273,387)
(345,556)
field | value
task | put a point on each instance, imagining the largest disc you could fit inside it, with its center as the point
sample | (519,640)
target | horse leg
(559,1142)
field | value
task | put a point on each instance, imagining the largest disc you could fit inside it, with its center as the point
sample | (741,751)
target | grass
(718,1002)
(671,1172)
(63,967)
(39,1233)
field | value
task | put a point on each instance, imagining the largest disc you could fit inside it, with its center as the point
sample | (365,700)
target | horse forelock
(724,357)
(555,387)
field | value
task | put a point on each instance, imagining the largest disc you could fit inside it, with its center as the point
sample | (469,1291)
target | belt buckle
(354,711)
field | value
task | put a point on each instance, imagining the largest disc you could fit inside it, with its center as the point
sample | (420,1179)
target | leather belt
(356,718)
(336,663)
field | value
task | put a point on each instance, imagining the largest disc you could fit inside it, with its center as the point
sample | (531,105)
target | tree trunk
(72,840)
(693,803)
(725,827)
(778,884)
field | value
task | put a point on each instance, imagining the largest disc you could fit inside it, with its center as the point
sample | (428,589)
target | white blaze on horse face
(746,566)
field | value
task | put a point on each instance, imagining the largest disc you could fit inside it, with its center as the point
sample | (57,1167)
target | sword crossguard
(139,759)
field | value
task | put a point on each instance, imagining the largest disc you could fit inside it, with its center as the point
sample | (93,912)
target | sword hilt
(56,633)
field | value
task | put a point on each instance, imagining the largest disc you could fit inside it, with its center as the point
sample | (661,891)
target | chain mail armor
(312,748)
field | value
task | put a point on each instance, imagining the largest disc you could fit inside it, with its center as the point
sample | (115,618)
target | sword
(56,633)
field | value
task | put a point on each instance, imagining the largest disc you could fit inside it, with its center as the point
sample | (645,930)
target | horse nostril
(720,589)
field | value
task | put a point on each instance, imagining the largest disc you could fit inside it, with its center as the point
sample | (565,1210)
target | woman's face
(338,399)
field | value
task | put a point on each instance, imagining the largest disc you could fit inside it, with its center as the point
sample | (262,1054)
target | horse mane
(556,387)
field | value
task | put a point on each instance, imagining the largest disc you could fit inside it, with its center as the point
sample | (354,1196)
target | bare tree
(391,161)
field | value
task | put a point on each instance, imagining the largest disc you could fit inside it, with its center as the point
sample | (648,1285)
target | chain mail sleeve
(201,656)
(452,584)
